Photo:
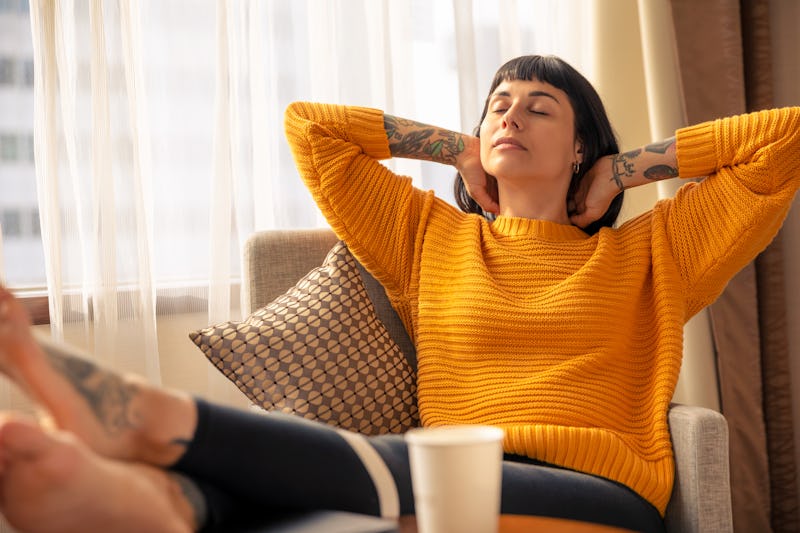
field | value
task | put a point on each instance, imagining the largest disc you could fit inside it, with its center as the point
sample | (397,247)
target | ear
(578,150)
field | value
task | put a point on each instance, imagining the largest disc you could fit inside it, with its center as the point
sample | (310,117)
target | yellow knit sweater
(570,343)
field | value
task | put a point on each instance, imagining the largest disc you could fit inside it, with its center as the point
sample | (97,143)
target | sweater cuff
(366,129)
(696,150)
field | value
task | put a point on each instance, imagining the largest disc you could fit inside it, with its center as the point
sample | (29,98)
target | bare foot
(120,417)
(51,482)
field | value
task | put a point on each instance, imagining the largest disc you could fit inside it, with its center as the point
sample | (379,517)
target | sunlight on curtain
(159,134)
(93,173)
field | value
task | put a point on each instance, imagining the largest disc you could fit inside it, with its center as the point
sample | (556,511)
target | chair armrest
(701,496)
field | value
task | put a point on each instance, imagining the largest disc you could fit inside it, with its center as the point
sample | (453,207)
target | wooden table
(510,523)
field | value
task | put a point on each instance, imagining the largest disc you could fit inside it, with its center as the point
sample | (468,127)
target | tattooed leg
(51,482)
(118,416)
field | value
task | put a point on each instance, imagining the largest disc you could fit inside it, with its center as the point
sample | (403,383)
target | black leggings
(249,464)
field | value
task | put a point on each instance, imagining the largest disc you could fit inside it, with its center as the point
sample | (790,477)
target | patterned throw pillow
(319,351)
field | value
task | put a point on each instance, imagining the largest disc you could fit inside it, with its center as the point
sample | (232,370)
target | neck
(541,203)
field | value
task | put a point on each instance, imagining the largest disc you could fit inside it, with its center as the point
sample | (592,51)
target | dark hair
(592,126)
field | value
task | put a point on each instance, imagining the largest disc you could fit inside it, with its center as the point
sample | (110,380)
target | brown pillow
(319,351)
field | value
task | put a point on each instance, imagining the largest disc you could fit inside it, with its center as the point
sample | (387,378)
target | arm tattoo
(622,167)
(661,172)
(108,396)
(662,147)
(408,138)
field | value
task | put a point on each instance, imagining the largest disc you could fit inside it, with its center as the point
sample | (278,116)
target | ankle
(153,489)
(188,500)
(168,422)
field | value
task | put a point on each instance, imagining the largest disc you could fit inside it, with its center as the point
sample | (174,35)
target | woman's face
(528,133)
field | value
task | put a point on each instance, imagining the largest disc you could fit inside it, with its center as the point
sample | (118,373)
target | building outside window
(23,257)
(6,71)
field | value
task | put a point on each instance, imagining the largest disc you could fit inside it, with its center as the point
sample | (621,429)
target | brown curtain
(723,51)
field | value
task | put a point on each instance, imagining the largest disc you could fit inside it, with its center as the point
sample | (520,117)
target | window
(179,130)
(11,223)
(23,255)
(35,224)
(6,71)
(15,6)
(15,72)
(9,151)
(16,148)
(27,73)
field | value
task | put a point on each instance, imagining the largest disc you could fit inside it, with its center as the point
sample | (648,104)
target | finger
(485,200)
(5,302)
(11,309)
(581,220)
(489,205)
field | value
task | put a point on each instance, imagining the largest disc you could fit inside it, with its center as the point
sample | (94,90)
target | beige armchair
(275,260)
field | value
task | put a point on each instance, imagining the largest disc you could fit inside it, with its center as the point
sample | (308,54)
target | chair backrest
(275,260)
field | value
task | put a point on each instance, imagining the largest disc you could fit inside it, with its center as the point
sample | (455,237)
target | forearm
(653,162)
(414,140)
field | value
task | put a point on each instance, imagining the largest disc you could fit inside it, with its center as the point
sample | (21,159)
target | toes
(12,313)
(5,302)
(23,438)
(16,341)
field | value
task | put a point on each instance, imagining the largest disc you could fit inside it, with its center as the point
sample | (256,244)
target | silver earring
(576,167)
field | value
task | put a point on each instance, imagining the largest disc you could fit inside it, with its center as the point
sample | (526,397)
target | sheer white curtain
(92,151)
(159,143)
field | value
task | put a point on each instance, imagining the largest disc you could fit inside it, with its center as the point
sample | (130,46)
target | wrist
(622,169)
(468,154)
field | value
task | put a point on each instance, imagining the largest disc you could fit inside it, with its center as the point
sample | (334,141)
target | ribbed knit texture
(571,343)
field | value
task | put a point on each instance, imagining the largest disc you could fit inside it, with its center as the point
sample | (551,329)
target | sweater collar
(544,229)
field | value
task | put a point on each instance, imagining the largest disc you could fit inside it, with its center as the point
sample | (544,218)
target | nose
(510,119)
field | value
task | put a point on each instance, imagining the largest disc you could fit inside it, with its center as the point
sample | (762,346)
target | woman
(569,339)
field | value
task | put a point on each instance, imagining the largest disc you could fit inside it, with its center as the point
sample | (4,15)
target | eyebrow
(532,93)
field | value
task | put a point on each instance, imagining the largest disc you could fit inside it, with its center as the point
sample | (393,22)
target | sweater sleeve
(376,212)
(714,228)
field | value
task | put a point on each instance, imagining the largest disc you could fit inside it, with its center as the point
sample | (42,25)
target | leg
(535,488)
(118,416)
(313,462)
(51,482)
(285,464)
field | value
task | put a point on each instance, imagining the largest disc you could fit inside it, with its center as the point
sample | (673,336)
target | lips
(508,142)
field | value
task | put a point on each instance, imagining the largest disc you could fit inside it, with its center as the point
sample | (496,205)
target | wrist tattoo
(108,395)
(622,167)
(408,138)
(446,148)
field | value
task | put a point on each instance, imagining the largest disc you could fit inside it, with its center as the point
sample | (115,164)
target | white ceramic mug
(456,476)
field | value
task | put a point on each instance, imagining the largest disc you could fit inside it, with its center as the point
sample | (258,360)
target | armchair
(274,260)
